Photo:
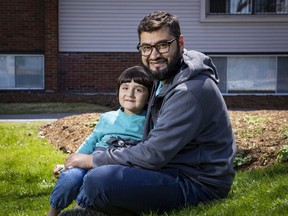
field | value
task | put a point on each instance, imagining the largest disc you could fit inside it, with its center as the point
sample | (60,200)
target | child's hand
(59,168)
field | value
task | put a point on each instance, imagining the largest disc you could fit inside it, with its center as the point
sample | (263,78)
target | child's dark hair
(138,75)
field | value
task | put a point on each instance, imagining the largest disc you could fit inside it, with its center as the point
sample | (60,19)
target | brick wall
(22,26)
(31,26)
(51,45)
(93,72)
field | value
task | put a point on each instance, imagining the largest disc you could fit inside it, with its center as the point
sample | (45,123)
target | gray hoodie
(187,128)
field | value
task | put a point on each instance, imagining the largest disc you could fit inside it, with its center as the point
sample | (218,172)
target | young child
(115,129)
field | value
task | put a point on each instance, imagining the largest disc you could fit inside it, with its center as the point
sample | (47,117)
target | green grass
(26,164)
(34,108)
(26,180)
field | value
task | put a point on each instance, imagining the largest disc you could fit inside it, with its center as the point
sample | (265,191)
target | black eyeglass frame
(155,46)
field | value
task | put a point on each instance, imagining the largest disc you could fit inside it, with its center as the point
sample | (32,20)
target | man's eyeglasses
(161,47)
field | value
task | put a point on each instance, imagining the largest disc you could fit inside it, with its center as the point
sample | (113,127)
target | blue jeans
(116,189)
(67,188)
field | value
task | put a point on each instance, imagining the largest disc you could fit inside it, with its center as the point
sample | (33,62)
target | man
(187,152)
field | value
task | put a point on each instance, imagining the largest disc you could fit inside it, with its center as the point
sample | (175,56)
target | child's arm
(88,146)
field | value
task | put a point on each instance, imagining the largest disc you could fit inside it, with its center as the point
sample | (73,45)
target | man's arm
(176,126)
(79,160)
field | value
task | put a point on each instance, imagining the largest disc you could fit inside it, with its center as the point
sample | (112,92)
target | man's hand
(83,161)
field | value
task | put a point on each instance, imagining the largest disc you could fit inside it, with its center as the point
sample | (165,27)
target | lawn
(27,161)
(26,180)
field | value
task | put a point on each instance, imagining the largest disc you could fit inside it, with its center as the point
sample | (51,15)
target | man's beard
(169,71)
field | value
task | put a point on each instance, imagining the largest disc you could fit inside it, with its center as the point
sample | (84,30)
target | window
(252,74)
(248,6)
(21,72)
(244,11)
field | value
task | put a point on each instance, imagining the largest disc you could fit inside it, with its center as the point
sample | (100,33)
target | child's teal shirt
(114,124)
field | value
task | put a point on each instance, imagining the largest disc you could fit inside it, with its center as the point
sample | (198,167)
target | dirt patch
(68,133)
(259,134)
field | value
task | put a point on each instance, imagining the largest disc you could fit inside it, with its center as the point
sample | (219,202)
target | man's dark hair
(157,20)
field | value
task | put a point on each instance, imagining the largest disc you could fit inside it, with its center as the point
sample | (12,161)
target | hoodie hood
(198,63)
(193,63)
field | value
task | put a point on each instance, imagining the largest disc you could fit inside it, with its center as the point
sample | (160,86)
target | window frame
(26,88)
(226,18)
(249,92)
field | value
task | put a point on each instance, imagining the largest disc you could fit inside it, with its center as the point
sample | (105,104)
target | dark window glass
(282,75)
(265,6)
(248,7)
(217,6)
